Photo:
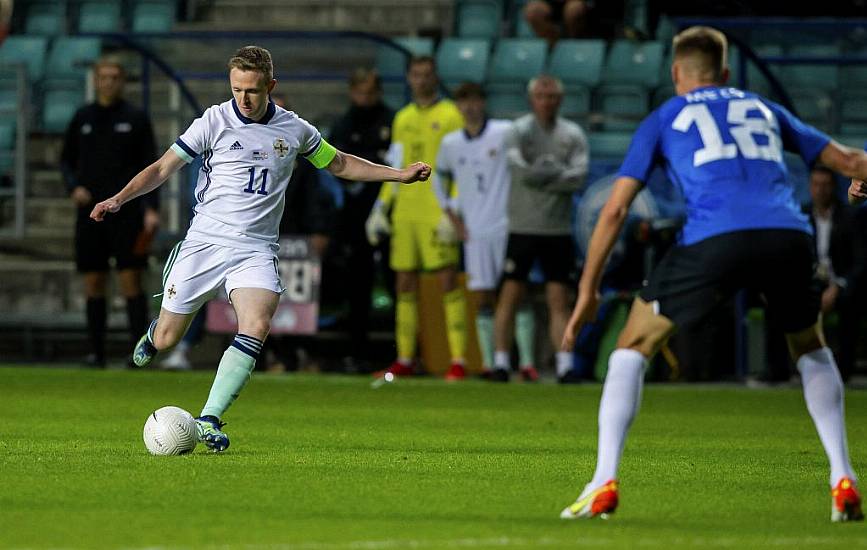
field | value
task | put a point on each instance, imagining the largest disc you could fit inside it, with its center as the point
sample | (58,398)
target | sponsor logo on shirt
(236,146)
(260,155)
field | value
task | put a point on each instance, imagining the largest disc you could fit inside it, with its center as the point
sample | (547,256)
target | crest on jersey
(280,147)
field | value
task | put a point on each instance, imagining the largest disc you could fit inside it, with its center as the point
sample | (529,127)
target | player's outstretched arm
(605,234)
(851,163)
(350,167)
(144,182)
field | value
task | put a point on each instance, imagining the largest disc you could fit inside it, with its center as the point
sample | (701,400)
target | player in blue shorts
(724,148)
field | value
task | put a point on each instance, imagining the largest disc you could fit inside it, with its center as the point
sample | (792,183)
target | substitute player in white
(248,147)
(474,161)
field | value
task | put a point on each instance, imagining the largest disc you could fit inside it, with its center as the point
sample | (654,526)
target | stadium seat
(99,16)
(153,17)
(853,114)
(462,59)
(392,62)
(46,18)
(609,144)
(665,30)
(517,60)
(71,56)
(578,61)
(576,102)
(814,106)
(508,103)
(478,18)
(622,106)
(7,134)
(27,50)
(636,63)
(823,76)
(58,108)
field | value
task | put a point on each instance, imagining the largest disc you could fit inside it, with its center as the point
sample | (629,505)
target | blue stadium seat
(58,108)
(622,106)
(46,18)
(636,63)
(478,18)
(578,61)
(28,50)
(71,56)
(609,144)
(99,16)
(391,62)
(516,60)
(462,59)
(153,16)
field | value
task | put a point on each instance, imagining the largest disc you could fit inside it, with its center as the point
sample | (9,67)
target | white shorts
(195,272)
(483,261)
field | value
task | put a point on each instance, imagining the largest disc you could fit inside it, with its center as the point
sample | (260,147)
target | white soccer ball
(170,431)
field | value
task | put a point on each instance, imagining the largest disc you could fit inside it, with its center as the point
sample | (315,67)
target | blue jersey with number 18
(724,148)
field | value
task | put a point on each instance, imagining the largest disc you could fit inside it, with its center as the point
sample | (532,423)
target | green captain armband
(321,155)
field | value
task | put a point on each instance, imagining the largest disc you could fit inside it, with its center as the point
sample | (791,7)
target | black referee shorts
(692,281)
(115,236)
(556,255)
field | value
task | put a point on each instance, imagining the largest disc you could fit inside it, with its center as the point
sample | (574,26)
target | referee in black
(106,144)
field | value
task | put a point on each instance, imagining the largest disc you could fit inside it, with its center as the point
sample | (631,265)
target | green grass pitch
(322,462)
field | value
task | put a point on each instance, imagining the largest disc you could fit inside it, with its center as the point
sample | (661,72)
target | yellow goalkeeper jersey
(417,133)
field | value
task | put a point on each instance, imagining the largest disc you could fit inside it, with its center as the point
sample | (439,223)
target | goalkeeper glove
(446,231)
(377,225)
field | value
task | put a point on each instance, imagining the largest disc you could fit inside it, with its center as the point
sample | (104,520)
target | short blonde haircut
(253,58)
(703,51)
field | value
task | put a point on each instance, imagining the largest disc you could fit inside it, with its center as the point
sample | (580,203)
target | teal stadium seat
(609,144)
(462,60)
(58,108)
(392,63)
(514,63)
(46,18)
(576,102)
(635,63)
(28,50)
(578,61)
(823,76)
(517,60)
(622,106)
(7,134)
(71,56)
(99,16)
(479,18)
(153,17)
(853,114)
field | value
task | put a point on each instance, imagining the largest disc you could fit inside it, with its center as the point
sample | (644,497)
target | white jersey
(246,166)
(478,168)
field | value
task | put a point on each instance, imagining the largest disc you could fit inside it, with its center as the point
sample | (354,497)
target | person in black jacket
(364,130)
(106,144)
(841,262)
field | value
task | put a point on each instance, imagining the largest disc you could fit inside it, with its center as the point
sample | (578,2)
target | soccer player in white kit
(474,160)
(248,147)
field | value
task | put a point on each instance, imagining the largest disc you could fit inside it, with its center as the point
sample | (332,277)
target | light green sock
(232,375)
(485,333)
(525,336)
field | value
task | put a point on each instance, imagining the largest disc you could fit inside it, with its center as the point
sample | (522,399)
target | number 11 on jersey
(261,190)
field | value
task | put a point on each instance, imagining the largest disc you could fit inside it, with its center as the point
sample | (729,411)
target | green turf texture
(328,462)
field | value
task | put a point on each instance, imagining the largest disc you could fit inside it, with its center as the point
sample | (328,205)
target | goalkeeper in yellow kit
(422,237)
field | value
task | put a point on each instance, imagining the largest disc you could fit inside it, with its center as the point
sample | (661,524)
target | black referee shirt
(105,147)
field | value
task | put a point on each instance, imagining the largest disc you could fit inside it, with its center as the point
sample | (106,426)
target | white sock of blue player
(823,392)
(232,374)
(621,397)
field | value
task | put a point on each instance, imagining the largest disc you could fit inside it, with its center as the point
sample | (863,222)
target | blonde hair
(253,58)
(703,51)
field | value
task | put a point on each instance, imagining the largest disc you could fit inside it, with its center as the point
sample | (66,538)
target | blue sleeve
(797,136)
(643,151)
